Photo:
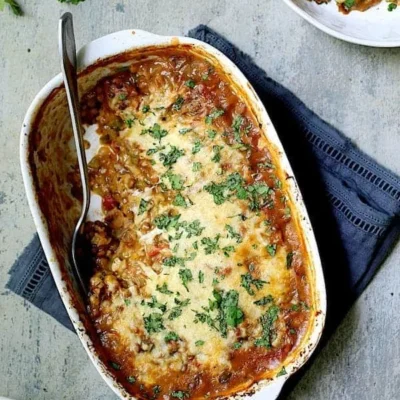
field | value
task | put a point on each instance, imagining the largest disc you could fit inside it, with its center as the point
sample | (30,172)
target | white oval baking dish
(51,169)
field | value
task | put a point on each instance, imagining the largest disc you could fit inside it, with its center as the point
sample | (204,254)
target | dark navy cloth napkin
(353,202)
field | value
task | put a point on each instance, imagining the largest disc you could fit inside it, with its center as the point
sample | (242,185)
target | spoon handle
(67,50)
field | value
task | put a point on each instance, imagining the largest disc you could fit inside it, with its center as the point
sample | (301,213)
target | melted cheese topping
(199,277)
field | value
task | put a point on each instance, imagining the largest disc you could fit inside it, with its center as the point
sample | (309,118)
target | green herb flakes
(196,147)
(115,365)
(153,323)
(201,276)
(179,201)
(179,394)
(171,157)
(264,301)
(214,114)
(155,132)
(233,235)
(211,133)
(164,289)
(184,131)
(281,372)
(171,337)
(247,281)
(271,248)
(178,103)
(143,206)
(196,167)
(186,277)
(190,83)
(210,245)
(267,322)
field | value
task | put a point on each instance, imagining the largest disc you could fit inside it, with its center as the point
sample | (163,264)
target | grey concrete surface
(354,88)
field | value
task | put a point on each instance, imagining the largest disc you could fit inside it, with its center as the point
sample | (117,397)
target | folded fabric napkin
(353,203)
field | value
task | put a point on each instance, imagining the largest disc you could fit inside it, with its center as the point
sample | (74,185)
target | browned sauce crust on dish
(347,6)
(201,279)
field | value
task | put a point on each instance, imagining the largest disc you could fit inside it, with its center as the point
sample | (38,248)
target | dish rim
(128,40)
(336,34)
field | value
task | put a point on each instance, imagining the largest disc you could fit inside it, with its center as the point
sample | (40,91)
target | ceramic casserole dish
(48,159)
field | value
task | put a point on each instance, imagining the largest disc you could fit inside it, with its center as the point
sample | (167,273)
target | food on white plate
(347,6)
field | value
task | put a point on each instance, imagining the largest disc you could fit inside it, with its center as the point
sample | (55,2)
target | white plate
(376,27)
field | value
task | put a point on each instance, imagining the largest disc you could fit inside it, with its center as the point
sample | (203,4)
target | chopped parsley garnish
(173,261)
(196,167)
(171,157)
(178,103)
(258,194)
(143,206)
(236,126)
(190,83)
(193,228)
(131,379)
(217,153)
(205,318)
(237,345)
(175,180)
(156,390)
(271,248)
(223,190)
(201,276)
(145,109)
(155,132)
(267,322)
(278,183)
(166,222)
(392,6)
(264,301)
(175,313)
(177,310)
(182,303)
(129,122)
(247,281)
(122,96)
(154,150)
(171,337)
(228,250)
(179,201)
(179,394)
(229,313)
(281,372)
(199,343)
(163,289)
(233,235)
(186,277)
(153,323)
(115,365)
(184,131)
(289,259)
(155,304)
(214,114)
(211,133)
(210,245)
(196,147)
(349,3)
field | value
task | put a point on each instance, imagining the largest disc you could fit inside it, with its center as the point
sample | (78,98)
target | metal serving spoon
(67,48)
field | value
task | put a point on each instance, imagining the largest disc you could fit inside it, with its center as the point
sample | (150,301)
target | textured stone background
(354,88)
